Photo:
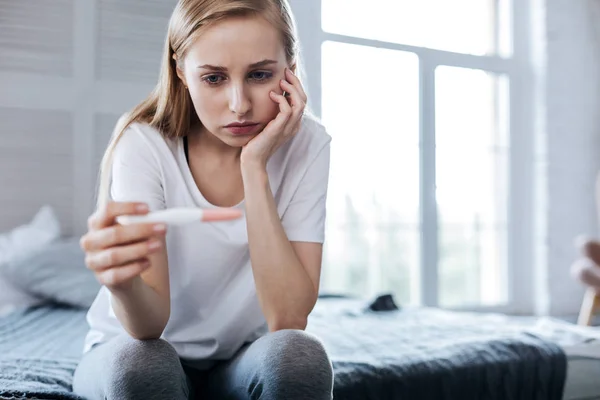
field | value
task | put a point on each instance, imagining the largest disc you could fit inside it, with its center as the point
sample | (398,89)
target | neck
(205,143)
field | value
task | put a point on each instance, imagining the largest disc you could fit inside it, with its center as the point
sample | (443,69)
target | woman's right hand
(118,254)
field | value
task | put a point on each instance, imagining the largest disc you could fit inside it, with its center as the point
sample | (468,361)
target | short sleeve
(304,218)
(136,171)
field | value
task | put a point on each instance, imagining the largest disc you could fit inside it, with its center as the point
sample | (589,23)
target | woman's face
(229,71)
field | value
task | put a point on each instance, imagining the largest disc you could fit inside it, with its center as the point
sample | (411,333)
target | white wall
(571,155)
(68,69)
(61,92)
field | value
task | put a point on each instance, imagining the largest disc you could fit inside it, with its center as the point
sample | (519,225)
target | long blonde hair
(169,107)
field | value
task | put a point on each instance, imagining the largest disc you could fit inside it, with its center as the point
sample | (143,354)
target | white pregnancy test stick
(182,216)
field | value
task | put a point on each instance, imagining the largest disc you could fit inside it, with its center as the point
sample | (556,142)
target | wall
(68,69)
(572,144)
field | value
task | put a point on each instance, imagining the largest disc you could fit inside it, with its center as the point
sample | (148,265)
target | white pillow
(13,299)
(18,244)
(56,273)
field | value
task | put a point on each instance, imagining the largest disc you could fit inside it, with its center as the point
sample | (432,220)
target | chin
(238,141)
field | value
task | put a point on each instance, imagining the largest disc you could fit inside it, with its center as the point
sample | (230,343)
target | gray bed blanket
(39,350)
(434,354)
(408,354)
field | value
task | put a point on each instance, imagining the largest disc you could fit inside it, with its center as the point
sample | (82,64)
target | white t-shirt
(214,305)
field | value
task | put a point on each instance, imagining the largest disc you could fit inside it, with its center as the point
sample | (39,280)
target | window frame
(517,69)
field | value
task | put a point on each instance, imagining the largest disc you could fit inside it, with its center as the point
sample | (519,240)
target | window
(462,26)
(471,185)
(417,97)
(373,211)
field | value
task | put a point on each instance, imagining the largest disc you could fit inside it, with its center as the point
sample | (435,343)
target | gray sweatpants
(283,365)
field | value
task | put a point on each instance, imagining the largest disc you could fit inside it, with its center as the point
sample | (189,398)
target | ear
(293,68)
(179,71)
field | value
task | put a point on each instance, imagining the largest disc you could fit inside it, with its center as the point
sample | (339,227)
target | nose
(239,101)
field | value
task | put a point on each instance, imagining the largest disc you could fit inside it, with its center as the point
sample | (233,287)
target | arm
(127,260)
(286,274)
(285,252)
(143,306)
(140,301)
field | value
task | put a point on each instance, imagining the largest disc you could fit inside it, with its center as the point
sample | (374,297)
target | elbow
(150,335)
(145,337)
(287,322)
(148,332)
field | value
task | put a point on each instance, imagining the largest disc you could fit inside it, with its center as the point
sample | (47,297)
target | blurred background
(466,136)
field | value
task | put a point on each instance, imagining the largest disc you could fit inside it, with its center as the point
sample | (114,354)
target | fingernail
(142,207)
(154,245)
(160,228)
(145,263)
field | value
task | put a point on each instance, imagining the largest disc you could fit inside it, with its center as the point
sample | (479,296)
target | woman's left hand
(281,129)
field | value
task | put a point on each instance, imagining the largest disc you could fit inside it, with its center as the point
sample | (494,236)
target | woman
(212,310)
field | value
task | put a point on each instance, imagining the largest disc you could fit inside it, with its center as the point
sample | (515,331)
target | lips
(242,128)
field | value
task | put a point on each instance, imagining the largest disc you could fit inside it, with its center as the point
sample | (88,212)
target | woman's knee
(143,369)
(298,365)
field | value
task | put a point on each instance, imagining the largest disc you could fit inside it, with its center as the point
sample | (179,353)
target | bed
(441,344)
(376,354)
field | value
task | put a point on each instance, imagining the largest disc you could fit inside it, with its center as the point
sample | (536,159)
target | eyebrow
(223,69)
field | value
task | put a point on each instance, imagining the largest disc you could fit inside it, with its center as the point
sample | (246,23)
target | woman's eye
(260,75)
(212,79)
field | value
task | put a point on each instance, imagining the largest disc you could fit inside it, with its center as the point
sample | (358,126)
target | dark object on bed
(410,354)
(385,302)
(433,354)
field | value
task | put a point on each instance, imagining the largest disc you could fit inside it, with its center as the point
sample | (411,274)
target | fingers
(106,217)
(293,79)
(298,100)
(289,116)
(121,255)
(292,85)
(117,253)
(118,235)
(298,103)
(285,112)
(113,277)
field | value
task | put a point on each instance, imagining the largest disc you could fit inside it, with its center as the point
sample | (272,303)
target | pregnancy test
(182,216)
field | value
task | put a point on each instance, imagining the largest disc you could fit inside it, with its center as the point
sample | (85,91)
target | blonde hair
(169,107)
